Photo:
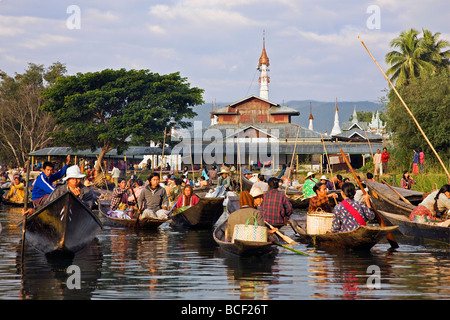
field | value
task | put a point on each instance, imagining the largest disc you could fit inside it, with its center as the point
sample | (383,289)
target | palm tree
(409,61)
(432,47)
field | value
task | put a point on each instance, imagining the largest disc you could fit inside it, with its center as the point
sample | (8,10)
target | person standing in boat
(43,185)
(350,214)
(276,207)
(155,198)
(436,203)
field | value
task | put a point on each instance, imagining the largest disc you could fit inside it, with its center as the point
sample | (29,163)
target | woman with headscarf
(187,198)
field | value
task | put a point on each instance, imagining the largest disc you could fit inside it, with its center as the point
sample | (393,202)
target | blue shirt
(44,185)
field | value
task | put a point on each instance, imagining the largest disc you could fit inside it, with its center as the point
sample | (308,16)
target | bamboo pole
(409,111)
(162,158)
(292,159)
(328,158)
(368,141)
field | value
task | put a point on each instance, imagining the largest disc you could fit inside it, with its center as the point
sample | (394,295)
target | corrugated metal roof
(62,151)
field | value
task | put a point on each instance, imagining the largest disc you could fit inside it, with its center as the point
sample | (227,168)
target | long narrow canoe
(417,230)
(201,216)
(64,225)
(383,198)
(243,248)
(362,238)
(145,223)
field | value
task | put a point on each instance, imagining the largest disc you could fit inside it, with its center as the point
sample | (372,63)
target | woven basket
(318,222)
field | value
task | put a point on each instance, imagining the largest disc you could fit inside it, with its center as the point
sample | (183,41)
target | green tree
(433,49)
(105,109)
(24,126)
(409,61)
(428,98)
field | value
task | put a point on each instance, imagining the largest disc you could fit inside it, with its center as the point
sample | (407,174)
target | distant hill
(323,112)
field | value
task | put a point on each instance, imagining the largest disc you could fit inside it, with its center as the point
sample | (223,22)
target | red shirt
(181,202)
(384,156)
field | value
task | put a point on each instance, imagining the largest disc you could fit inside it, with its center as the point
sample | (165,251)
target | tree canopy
(105,109)
(428,98)
(24,126)
(415,56)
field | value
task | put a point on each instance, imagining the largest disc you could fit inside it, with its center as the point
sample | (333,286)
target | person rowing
(43,185)
(72,184)
(350,214)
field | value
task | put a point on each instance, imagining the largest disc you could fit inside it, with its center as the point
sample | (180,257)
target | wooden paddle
(25,208)
(282,236)
(291,249)
(379,218)
(396,192)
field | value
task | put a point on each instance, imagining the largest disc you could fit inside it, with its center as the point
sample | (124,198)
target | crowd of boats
(66,224)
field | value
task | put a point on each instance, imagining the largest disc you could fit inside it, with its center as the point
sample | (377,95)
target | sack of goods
(248,232)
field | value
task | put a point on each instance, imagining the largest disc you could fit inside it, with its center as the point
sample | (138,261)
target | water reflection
(45,276)
(172,264)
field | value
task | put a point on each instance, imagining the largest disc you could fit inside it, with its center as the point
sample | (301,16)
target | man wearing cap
(43,185)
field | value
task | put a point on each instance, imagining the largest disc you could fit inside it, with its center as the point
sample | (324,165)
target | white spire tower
(264,78)
(311,118)
(336,128)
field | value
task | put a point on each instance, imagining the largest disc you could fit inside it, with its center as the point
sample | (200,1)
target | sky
(313,46)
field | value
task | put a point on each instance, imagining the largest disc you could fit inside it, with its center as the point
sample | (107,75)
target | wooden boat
(243,248)
(64,225)
(417,230)
(201,216)
(145,223)
(13,203)
(362,238)
(383,198)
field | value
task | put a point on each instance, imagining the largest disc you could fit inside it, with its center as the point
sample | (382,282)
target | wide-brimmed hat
(256,192)
(74,172)
(224,171)
(310,174)
(323,178)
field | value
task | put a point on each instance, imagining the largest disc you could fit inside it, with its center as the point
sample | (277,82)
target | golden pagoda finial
(264,59)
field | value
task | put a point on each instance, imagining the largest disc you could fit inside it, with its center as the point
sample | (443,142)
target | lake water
(166,264)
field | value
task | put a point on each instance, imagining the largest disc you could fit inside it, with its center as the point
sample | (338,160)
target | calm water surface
(188,265)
